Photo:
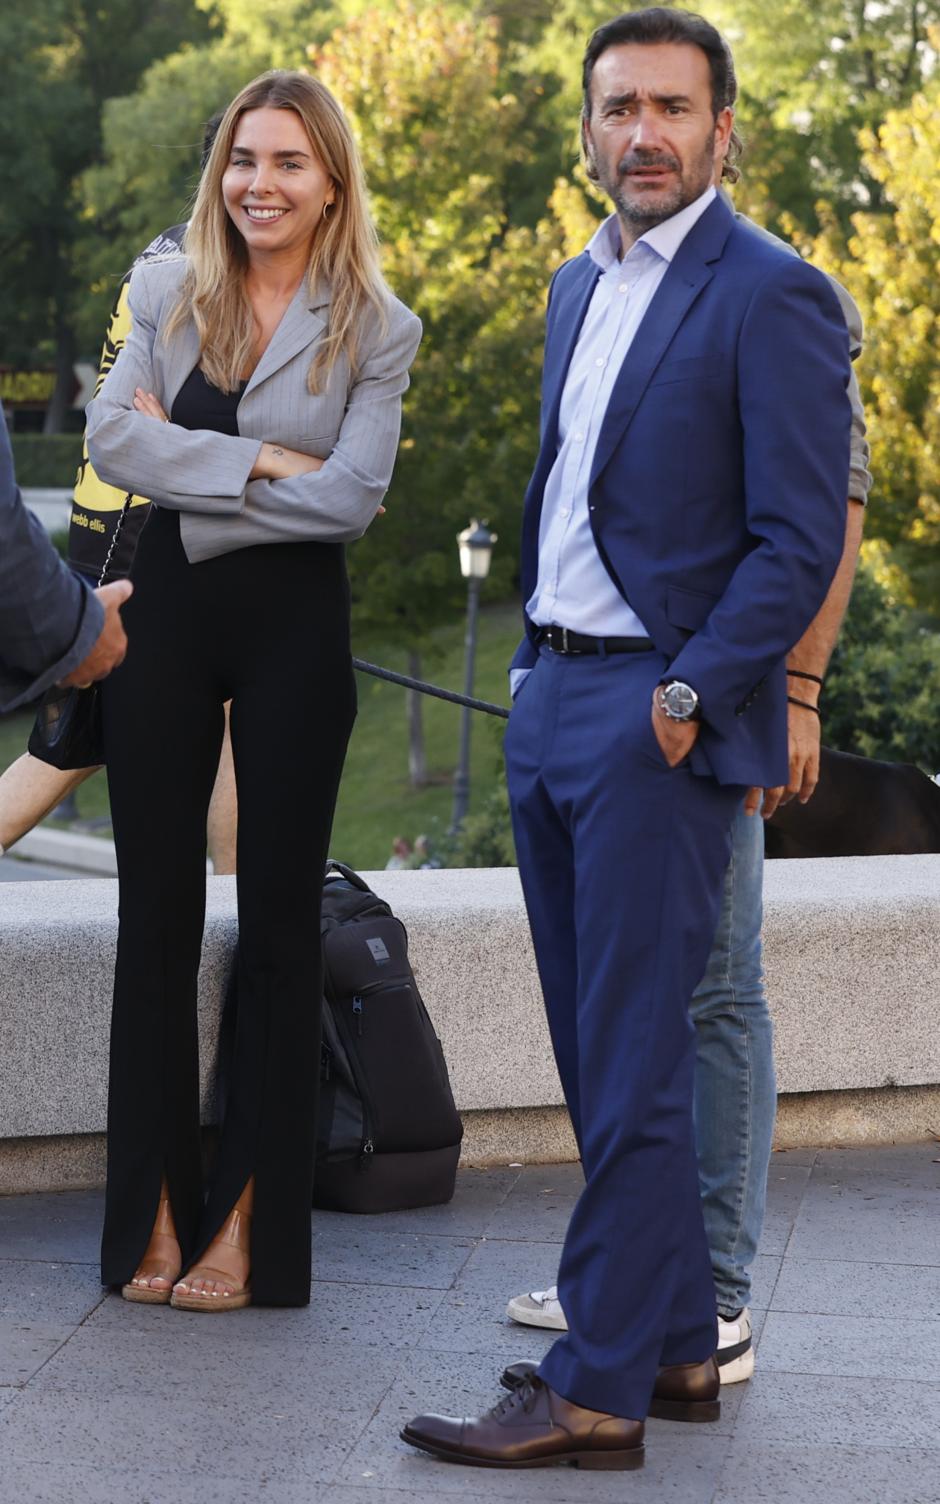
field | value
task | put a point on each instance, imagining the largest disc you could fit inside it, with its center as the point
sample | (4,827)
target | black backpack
(388,1132)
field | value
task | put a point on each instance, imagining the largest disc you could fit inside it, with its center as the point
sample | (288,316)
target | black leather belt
(561,640)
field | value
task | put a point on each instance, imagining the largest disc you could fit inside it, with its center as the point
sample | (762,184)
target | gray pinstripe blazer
(352,424)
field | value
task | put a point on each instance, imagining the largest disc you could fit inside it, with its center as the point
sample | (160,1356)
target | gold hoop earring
(326,207)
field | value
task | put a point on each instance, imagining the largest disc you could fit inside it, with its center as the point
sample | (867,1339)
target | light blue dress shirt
(573,588)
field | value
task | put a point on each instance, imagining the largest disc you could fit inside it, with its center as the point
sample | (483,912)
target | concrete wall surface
(852,956)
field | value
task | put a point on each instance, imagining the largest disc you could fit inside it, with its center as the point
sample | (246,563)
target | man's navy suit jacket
(719,486)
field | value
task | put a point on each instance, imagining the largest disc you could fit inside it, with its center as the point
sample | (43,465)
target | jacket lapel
(563,336)
(179,355)
(302,322)
(566,315)
(690,271)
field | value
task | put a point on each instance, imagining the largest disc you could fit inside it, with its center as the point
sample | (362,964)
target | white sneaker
(540,1308)
(735,1349)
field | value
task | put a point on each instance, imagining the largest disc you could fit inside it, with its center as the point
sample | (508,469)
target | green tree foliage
(277,30)
(890,263)
(883,683)
(812,77)
(62,60)
(441,147)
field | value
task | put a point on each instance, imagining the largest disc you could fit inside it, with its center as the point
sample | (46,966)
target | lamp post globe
(476,550)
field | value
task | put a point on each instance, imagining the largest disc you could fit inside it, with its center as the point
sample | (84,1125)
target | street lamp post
(476,550)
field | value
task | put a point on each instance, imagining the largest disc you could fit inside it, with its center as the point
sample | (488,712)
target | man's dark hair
(209,135)
(656,24)
(659,23)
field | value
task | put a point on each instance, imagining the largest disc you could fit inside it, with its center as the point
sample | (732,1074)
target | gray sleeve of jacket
(859,473)
(49,620)
(337,502)
(177,467)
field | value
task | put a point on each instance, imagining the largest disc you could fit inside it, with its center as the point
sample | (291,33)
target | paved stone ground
(108,1403)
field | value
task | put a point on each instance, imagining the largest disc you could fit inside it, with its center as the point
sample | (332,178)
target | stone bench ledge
(852,952)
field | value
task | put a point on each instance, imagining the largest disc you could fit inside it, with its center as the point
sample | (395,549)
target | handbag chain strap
(115,536)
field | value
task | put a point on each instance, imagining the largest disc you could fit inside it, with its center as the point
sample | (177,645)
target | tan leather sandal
(153,1268)
(237,1234)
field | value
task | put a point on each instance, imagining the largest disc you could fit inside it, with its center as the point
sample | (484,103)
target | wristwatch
(679,701)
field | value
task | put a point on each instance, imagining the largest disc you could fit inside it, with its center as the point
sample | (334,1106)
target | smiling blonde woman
(258,402)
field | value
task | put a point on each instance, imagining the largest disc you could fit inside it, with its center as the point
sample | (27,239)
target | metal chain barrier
(430,689)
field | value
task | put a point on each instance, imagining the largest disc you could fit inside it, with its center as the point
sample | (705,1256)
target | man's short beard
(641,218)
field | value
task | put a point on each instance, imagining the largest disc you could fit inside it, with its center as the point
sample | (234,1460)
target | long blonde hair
(343,252)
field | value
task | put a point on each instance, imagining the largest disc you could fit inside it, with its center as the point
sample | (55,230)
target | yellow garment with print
(96,505)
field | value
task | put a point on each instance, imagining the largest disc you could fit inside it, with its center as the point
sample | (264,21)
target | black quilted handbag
(67,731)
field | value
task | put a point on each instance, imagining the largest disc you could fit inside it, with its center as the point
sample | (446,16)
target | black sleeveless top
(199,404)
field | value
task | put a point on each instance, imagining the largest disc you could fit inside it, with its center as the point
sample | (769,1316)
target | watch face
(680,700)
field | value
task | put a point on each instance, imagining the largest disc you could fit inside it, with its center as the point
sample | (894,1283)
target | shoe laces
(524,1397)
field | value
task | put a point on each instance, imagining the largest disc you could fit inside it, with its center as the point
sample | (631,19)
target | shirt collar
(664,239)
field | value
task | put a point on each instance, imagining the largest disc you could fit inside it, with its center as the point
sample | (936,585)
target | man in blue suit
(682,526)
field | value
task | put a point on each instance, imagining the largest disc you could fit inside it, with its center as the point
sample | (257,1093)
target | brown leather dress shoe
(683,1391)
(532,1427)
(687,1391)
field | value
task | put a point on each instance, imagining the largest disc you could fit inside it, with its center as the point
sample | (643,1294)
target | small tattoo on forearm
(278,451)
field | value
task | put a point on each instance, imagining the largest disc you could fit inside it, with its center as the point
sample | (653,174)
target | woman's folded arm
(186,469)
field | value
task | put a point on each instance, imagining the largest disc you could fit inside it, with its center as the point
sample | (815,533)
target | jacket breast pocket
(688,368)
(688,609)
(319,444)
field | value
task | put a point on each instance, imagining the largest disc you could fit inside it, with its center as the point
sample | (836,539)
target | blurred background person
(402,852)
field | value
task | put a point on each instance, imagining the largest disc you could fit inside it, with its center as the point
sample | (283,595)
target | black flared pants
(268,628)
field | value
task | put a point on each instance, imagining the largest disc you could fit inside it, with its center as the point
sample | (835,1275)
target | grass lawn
(376,801)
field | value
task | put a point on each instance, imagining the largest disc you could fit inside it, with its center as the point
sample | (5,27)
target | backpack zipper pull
(357,1010)
(365,1158)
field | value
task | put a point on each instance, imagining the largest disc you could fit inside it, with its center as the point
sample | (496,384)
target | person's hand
(754,798)
(111,646)
(146,403)
(804,734)
(676,738)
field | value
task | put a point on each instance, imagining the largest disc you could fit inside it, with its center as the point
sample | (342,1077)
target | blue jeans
(735,1088)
